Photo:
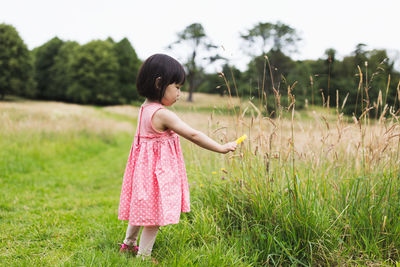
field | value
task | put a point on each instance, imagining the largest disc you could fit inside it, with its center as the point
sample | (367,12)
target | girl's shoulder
(161,118)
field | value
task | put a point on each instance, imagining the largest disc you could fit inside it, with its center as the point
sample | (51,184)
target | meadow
(308,188)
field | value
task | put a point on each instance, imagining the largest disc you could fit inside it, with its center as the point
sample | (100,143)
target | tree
(195,38)
(343,76)
(44,69)
(304,91)
(268,39)
(329,81)
(376,73)
(61,70)
(267,75)
(266,36)
(94,74)
(15,64)
(360,55)
(129,65)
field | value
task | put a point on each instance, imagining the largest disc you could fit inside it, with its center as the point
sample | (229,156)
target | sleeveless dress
(154,189)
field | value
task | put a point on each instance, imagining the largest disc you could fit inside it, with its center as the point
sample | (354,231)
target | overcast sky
(151,26)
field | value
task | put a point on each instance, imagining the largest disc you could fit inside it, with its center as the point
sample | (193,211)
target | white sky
(151,26)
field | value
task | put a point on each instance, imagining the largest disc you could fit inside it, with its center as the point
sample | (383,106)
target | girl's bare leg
(147,240)
(132,233)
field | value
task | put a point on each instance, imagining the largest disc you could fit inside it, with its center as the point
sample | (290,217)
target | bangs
(179,75)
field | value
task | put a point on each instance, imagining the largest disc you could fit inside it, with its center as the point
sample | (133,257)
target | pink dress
(154,189)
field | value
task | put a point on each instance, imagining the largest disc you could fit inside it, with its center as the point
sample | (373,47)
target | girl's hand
(228,147)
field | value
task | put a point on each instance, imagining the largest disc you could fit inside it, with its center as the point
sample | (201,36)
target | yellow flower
(214,172)
(241,139)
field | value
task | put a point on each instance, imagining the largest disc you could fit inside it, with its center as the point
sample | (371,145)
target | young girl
(155,189)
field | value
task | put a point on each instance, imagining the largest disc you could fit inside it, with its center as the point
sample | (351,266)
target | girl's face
(171,95)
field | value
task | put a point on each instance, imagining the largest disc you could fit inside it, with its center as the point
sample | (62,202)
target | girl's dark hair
(160,66)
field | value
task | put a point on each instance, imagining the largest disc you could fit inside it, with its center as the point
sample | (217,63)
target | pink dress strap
(140,122)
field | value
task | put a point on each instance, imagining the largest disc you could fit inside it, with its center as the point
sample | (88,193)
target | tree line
(99,72)
(103,72)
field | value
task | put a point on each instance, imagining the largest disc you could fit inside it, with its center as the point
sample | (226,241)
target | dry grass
(125,110)
(36,116)
(315,140)
(320,139)
(206,101)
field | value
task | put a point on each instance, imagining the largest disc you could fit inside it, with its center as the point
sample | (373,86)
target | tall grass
(326,192)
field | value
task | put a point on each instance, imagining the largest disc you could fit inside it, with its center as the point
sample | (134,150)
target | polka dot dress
(154,189)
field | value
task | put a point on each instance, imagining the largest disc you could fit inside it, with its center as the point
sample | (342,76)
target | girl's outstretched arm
(171,121)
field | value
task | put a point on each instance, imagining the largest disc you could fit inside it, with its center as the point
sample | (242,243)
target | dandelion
(214,172)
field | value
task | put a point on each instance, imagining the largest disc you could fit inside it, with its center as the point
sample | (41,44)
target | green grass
(59,203)
(60,194)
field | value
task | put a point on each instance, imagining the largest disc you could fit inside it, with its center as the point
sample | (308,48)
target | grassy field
(313,190)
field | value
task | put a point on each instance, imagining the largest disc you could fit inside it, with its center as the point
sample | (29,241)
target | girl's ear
(158,83)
